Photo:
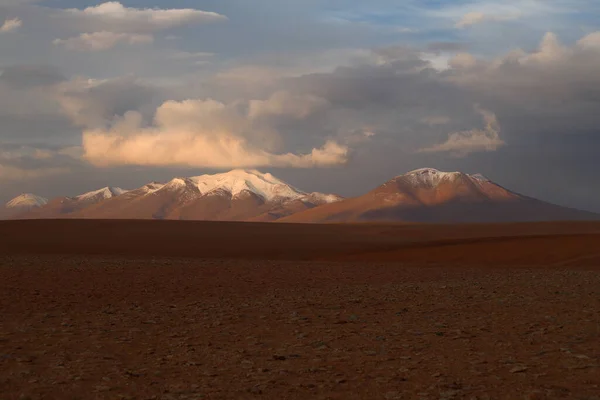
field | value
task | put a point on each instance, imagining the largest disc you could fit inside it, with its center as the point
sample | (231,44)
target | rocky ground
(104,327)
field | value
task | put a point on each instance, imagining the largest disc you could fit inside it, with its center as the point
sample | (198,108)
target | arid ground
(193,310)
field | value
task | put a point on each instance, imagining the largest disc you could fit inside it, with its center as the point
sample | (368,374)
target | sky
(333,96)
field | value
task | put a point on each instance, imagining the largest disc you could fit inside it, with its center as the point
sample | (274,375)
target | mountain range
(424,195)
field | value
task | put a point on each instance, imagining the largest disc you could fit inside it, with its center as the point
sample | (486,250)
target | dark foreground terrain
(168,310)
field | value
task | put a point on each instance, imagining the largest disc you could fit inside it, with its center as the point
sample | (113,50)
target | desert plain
(214,310)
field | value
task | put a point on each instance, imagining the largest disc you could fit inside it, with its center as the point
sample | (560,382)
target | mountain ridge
(421,195)
(234,195)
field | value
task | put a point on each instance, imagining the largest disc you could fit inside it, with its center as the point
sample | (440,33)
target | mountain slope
(431,196)
(238,195)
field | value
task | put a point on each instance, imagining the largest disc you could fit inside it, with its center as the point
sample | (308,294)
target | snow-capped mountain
(22,204)
(430,186)
(429,195)
(235,182)
(100,194)
(422,195)
(63,207)
(235,195)
(27,200)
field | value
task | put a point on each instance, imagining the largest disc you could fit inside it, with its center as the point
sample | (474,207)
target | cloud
(590,42)
(197,133)
(475,18)
(462,61)
(27,76)
(184,55)
(10,173)
(12,3)
(434,120)
(552,77)
(284,103)
(474,140)
(93,103)
(440,47)
(28,108)
(11,25)
(471,18)
(20,163)
(114,17)
(98,41)
(18,153)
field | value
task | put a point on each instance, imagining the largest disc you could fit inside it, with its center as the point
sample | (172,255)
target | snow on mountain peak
(153,187)
(480,177)
(176,183)
(27,200)
(104,193)
(429,176)
(322,198)
(238,180)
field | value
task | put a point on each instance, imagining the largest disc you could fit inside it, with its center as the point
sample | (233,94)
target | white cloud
(198,133)
(98,41)
(591,41)
(475,18)
(462,60)
(474,140)
(550,50)
(108,24)
(114,17)
(11,25)
(471,18)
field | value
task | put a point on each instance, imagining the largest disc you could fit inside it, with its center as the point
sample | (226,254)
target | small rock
(518,368)
(392,396)
(255,390)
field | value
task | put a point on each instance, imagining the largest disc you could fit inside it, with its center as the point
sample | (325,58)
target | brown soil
(151,310)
